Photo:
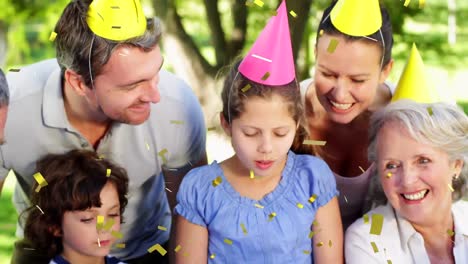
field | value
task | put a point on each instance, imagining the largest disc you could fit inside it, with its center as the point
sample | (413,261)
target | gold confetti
(314,142)
(212,256)
(293,14)
(315,223)
(120,245)
(244,230)
(177,249)
(259,206)
(407,2)
(450,187)
(389,175)
(389,261)
(377,223)
(271,216)
(108,225)
(366,219)
(100,222)
(158,248)
(319,244)
(311,234)
(177,122)
(211,128)
(259,3)
(307,252)
(228,241)
(116,234)
(332,45)
(312,198)
(321,32)
(161,154)
(185,254)
(40,181)
(450,232)
(163,228)
(422,3)
(363,171)
(14,70)
(266,76)
(42,212)
(252,175)
(330,243)
(374,247)
(429,110)
(108,172)
(217,181)
(246,88)
(299,205)
(52,36)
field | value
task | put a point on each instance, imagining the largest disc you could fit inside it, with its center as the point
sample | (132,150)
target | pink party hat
(270,60)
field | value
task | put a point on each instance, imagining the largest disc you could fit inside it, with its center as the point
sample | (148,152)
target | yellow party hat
(116,19)
(413,82)
(357,17)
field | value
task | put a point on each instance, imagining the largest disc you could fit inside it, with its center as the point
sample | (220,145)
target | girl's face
(79,230)
(415,176)
(346,79)
(262,134)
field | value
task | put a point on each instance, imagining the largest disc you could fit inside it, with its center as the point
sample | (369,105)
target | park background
(202,37)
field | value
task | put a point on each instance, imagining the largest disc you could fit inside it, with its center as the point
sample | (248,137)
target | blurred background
(202,37)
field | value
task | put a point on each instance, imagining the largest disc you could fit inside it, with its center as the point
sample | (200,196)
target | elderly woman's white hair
(441,125)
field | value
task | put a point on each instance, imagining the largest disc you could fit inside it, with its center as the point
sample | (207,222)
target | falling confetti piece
(158,248)
(39,209)
(450,187)
(389,261)
(429,110)
(407,2)
(161,154)
(332,45)
(311,234)
(177,122)
(108,172)
(246,88)
(228,241)
(315,223)
(314,142)
(244,230)
(217,181)
(307,252)
(330,243)
(366,219)
(100,222)
(377,223)
(167,189)
(147,146)
(321,32)
(259,3)
(120,245)
(293,14)
(117,234)
(108,225)
(212,256)
(319,244)
(312,198)
(177,249)
(14,70)
(259,206)
(346,200)
(211,128)
(185,254)
(363,171)
(266,76)
(450,232)
(40,181)
(271,216)
(163,228)
(252,175)
(299,205)
(374,247)
(422,3)
(389,175)
(52,36)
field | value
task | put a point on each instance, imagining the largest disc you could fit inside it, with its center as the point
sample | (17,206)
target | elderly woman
(421,153)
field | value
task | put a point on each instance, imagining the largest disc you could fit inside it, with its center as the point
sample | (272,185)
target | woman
(421,155)
(348,86)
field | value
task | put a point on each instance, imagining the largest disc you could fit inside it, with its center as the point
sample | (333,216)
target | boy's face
(79,230)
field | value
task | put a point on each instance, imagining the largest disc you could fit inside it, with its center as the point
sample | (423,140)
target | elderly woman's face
(415,176)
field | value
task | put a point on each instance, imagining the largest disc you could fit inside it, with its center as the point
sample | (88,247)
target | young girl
(63,219)
(265,204)
(348,85)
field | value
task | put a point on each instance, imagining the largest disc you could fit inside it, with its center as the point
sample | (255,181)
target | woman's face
(416,177)
(347,78)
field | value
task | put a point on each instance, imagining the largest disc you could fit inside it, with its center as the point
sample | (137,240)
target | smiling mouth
(415,196)
(339,105)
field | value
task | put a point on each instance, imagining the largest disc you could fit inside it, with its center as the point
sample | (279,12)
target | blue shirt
(256,236)
(108,260)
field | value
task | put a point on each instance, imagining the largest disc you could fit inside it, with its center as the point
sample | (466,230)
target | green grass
(8,218)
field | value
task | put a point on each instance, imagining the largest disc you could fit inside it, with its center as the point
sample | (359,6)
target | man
(108,94)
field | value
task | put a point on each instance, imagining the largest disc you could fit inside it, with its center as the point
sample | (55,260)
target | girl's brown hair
(75,180)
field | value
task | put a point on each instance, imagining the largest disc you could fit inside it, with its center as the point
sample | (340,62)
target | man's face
(127,85)
(3,117)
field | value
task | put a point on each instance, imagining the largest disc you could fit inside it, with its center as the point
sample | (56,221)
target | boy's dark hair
(75,180)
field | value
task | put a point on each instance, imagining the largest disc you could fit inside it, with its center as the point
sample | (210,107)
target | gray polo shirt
(37,125)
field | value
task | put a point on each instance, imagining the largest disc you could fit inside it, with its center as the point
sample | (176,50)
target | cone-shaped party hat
(413,82)
(270,60)
(357,17)
(116,19)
